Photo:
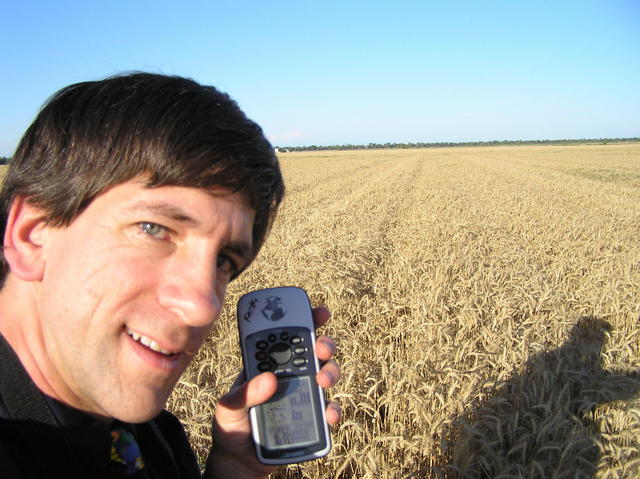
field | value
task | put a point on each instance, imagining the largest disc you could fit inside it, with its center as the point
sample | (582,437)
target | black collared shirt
(88,439)
(41,437)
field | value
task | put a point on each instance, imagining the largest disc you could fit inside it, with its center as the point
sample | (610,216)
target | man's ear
(23,240)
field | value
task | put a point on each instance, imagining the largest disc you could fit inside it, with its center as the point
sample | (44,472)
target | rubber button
(284,336)
(299,350)
(272,338)
(262,345)
(261,355)
(296,340)
(280,353)
(299,361)
(264,366)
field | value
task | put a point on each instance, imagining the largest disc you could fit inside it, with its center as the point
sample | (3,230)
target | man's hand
(233,454)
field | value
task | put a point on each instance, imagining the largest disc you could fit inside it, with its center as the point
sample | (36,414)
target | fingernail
(331,376)
(331,346)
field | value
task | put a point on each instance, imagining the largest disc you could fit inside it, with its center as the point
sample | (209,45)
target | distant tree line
(446,144)
(4,160)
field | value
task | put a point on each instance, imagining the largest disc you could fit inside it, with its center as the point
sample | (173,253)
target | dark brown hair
(93,135)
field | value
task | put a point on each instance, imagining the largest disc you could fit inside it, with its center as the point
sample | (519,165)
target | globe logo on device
(273,311)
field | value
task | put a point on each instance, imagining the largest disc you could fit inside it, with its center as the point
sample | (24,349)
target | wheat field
(485,303)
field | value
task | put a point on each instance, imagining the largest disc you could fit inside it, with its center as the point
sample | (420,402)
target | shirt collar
(88,437)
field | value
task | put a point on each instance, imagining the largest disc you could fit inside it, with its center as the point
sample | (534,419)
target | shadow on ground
(537,424)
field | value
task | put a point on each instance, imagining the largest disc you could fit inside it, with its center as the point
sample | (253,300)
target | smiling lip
(149,343)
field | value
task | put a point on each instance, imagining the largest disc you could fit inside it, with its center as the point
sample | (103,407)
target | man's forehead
(144,184)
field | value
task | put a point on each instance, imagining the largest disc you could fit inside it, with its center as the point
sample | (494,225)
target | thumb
(233,407)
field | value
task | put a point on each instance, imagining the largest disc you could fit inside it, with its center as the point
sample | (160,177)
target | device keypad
(282,352)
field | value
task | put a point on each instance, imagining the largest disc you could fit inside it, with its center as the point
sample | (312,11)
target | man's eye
(227,265)
(154,230)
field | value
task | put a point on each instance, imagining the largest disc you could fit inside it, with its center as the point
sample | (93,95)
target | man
(129,206)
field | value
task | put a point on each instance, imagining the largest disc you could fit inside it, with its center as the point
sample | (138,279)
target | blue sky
(337,72)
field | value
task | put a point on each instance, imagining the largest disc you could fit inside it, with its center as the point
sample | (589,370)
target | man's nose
(188,289)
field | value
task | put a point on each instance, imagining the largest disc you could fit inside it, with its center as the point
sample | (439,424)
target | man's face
(130,291)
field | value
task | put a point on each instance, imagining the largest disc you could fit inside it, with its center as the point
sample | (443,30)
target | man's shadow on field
(539,423)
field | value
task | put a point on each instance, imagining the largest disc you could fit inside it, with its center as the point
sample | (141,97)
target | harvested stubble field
(485,302)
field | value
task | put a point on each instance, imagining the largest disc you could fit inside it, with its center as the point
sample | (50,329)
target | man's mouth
(149,343)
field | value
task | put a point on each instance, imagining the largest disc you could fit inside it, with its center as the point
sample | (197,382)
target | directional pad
(280,353)
(284,351)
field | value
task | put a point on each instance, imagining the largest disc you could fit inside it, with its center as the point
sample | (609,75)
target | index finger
(320,316)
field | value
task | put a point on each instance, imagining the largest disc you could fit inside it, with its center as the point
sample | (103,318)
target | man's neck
(20,326)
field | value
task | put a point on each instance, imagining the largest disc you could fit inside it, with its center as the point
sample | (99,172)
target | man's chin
(138,416)
(139,411)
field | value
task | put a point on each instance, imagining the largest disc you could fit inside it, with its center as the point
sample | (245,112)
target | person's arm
(233,453)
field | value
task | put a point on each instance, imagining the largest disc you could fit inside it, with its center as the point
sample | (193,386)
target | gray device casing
(274,309)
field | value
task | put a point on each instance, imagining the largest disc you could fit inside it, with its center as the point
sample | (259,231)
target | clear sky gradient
(338,72)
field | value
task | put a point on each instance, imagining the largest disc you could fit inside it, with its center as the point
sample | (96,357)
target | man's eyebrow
(174,212)
(167,210)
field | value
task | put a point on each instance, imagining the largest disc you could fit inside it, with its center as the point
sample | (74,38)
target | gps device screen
(289,417)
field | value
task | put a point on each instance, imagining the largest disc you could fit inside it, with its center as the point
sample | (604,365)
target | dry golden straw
(485,302)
